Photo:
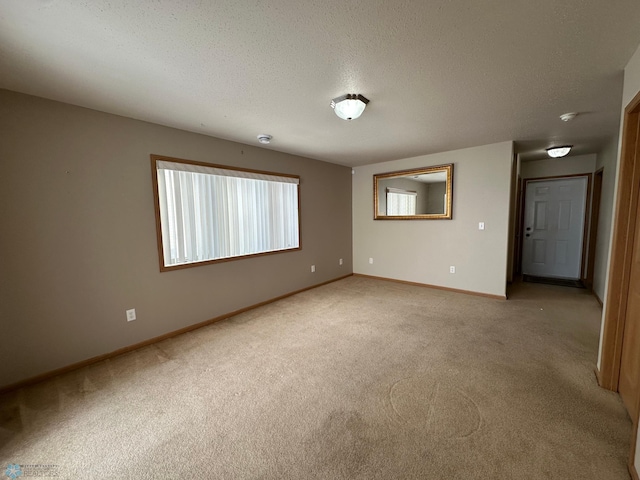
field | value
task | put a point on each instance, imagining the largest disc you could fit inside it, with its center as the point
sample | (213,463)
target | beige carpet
(358,379)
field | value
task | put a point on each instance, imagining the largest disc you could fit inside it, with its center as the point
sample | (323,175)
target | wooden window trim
(156,202)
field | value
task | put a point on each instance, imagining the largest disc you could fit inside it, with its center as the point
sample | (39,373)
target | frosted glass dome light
(558,152)
(349,106)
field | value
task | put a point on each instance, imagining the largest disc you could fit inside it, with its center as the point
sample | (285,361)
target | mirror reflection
(419,194)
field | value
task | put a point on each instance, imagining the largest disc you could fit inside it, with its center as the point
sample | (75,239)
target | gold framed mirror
(418,194)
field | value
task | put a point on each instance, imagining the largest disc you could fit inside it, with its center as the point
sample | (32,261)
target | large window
(207,213)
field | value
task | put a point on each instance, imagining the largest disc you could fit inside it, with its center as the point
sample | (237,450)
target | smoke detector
(567,117)
(264,138)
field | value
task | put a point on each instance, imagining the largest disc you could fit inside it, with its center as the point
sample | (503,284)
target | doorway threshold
(563,282)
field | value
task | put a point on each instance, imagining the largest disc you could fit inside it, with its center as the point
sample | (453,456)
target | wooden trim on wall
(585,229)
(519,237)
(156,205)
(69,368)
(620,261)
(513,219)
(621,248)
(593,227)
(598,299)
(437,287)
(597,374)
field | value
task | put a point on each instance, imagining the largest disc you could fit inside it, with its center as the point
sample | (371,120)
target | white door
(554,227)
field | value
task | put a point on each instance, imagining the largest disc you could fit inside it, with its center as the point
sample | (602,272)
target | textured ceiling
(440,74)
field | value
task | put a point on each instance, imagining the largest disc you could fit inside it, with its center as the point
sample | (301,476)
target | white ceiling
(440,74)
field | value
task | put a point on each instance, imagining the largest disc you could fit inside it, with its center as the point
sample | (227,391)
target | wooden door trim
(621,249)
(593,226)
(628,182)
(586,228)
(517,256)
(583,253)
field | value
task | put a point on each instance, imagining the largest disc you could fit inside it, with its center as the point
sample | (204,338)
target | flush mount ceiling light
(264,138)
(558,152)
(349,106)
(567,117)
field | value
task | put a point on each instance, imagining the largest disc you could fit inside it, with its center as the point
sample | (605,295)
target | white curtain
(207,216)
(401,202)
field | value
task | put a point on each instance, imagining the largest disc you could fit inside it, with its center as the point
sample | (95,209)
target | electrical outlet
(131,315)
(452,269)
(340,262)
(370,261)
(481,226)
(313,269)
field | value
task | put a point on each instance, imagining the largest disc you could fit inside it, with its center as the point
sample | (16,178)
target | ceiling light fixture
(558,152)
(567,117)
(264,138)
(349,106)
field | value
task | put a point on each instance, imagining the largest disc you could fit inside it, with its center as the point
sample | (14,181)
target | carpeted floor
(358,379)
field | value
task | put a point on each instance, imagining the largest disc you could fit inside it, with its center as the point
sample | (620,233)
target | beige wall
(78,239)
(557,167)
(607,159)
(422,250)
